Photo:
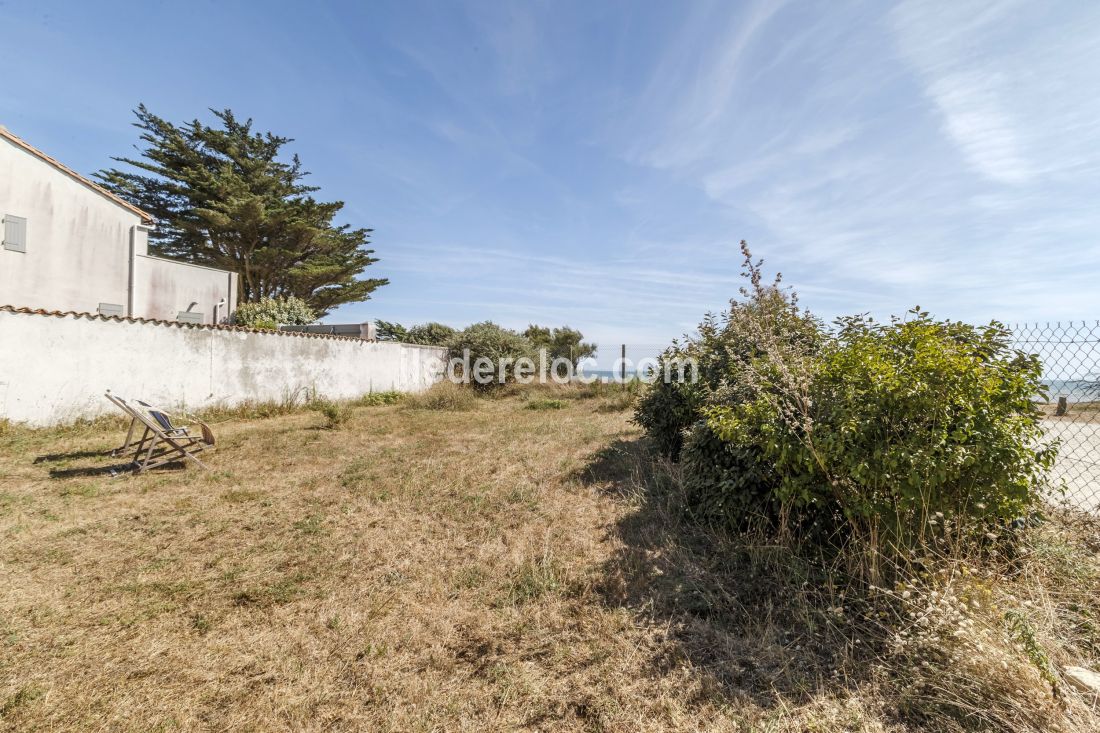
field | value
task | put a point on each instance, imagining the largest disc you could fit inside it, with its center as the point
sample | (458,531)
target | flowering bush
(290,311)
(717,363)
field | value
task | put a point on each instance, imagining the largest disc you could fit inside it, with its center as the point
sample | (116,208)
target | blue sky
(595,163)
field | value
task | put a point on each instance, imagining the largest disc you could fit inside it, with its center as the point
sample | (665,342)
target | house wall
(84,249)
(55,368)
(77,239)
(166,287)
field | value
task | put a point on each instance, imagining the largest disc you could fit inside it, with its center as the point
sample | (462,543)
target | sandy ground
(1078,460)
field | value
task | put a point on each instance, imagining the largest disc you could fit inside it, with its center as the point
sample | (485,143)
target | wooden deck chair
(161,441)
(134,422)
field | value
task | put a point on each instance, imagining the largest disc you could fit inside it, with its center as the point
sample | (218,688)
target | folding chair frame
(174,443)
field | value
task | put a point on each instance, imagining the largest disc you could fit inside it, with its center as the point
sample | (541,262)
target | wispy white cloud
(1015,83)
(942,153)
(973,97)
(978,120)
(697,81)
(514,35)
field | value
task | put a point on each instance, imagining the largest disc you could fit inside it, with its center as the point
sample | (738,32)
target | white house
(71,245)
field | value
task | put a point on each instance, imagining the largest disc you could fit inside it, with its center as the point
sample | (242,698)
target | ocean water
(609,375)
(1075,390)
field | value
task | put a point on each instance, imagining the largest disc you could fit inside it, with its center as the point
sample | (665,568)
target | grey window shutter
(15,233)
(189,317)
(110,309)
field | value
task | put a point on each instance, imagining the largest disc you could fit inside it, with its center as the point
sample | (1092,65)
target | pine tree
(223,198)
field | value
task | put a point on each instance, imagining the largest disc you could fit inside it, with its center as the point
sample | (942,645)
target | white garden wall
(54,368)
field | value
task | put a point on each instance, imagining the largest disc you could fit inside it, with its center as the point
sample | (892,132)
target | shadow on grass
(751,619)
(88,470)
(96,469)
(118,469)
(71,456)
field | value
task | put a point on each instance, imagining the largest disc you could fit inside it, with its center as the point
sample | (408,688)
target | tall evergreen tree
(223,198)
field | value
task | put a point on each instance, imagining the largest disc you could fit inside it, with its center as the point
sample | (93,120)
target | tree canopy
(390,331)
(224,197)
(564,342)
(430,334)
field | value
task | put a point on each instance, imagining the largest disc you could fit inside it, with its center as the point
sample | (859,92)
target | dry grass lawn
(415,570)
(486,569)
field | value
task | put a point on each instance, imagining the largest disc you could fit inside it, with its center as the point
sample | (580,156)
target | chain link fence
(1070,353)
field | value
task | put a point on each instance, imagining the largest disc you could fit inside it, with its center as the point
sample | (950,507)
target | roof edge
(21,143)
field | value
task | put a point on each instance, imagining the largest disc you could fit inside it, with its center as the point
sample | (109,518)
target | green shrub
(669,407)
(889,429)
(336,414)
(726,483)
(560,343)
(430,334)
(899,426)
(274,312)
(493,346)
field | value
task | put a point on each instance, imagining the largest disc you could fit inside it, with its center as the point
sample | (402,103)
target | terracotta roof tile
(176,324)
